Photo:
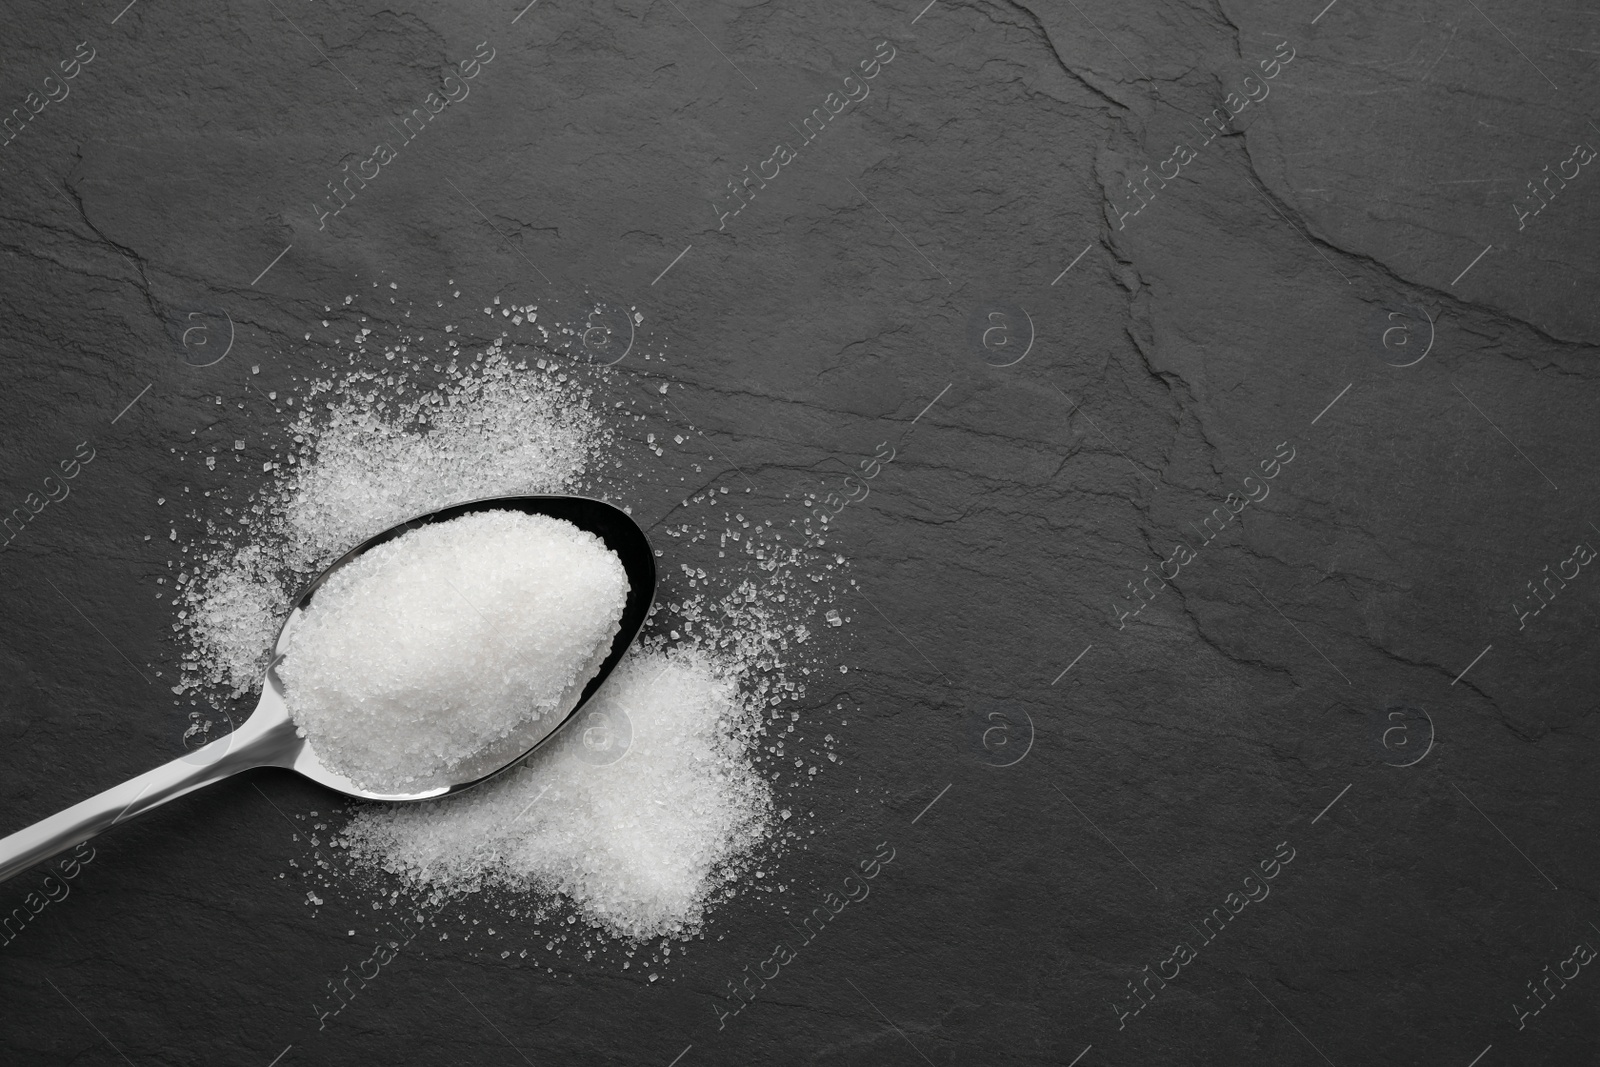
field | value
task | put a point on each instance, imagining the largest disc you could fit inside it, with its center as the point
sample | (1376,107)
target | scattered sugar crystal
(446,422)
(419,653)
(641,845)
(366,468)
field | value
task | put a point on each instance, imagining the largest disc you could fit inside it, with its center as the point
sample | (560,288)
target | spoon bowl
(269,737)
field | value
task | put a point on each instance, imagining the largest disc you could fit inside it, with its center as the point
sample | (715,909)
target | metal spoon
(268,738)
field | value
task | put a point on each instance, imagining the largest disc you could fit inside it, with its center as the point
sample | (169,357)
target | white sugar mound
(657,802)
(378,452)
(639,813)
(421,652)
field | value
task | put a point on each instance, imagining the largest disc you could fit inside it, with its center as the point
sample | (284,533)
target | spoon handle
(261,741)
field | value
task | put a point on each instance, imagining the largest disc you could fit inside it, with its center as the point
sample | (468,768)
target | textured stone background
(1359,216)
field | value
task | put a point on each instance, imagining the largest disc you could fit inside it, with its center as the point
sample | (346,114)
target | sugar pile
(416,423)
(640,844)
(419,653)
(383,451)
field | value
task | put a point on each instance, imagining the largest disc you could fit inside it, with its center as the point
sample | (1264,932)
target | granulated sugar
(372,460)
(702,712)
(638,815)
(419,653)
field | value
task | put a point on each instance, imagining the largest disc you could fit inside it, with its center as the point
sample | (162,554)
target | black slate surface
(1352,267)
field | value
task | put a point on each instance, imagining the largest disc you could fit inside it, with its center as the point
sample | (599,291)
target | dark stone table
(1239,358)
